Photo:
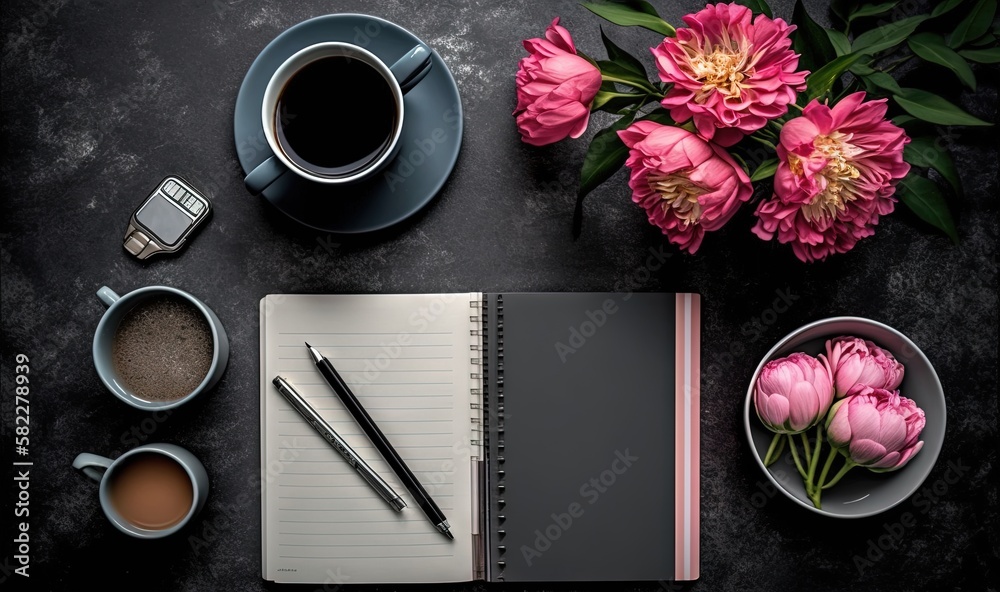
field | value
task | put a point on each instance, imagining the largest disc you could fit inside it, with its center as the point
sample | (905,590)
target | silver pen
(327,432)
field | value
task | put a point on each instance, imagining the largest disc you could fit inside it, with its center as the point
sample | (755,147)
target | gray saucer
(430,141)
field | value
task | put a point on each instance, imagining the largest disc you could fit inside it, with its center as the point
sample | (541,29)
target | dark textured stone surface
(102,99)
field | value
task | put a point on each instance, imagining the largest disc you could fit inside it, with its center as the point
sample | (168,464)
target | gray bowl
(861,492)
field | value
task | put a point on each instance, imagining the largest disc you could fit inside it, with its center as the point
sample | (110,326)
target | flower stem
(826,467)
(770,457)
(633,83)
(808,449)
(848,465)
(812,490)
(795,455)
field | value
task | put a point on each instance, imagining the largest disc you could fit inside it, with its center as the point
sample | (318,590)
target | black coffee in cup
(335,116)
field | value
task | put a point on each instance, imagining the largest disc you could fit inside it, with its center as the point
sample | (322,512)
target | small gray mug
(118,307)
(104,471)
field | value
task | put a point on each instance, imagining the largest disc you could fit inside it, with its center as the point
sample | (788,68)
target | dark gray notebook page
(589,438)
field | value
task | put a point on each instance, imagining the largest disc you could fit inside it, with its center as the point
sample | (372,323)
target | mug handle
(87,462)
(108,296)
(264,175)
(412,67)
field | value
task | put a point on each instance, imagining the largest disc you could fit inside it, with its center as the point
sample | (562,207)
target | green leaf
(862,69)
(640,5)
(765,170)
(615,72)
(884,81)
(931,47)
(932,108)
(757,6)
(740,161)
(906,121)
(871,10)
(821,81)
(605,155)
(842,9)
(985,40)
(944,7)
(622,57)
(925,199)
(887,36)
(613,102)
(925,152)
(660,116)
(841,44)
(627,16)
(810,41)
(982,56)
(975,24)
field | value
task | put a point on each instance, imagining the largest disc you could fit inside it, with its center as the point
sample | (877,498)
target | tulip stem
(795,455)
(812,490)
(774,450)
(805,444)
(826,468)
(848,465)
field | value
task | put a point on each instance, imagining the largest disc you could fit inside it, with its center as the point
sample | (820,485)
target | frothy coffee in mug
(151,491)
(163,349)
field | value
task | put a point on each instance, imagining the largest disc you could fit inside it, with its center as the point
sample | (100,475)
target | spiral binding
(477,379)
(499,421)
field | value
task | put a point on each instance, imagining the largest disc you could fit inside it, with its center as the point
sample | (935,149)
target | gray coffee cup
(118,307)
(103,470)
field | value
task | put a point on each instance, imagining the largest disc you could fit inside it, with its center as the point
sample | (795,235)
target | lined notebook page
(407,358)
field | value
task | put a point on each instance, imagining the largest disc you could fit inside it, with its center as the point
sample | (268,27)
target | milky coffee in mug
(151,491)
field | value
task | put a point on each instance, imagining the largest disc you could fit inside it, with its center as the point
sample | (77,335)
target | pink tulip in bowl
(861,492)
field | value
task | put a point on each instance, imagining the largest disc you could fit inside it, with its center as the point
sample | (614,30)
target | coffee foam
(163,349)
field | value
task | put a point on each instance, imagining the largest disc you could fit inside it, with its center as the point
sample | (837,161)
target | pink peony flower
(876,428)
(793,394)
(855,361)
(555,88)
(729,74)
(837,168)
(688,186)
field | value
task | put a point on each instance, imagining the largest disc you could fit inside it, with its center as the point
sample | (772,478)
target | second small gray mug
(118,308)
(149,481)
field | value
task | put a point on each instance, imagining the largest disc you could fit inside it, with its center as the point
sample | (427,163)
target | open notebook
(557,432)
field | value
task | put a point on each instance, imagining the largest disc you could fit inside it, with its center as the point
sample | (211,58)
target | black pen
(381,443)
